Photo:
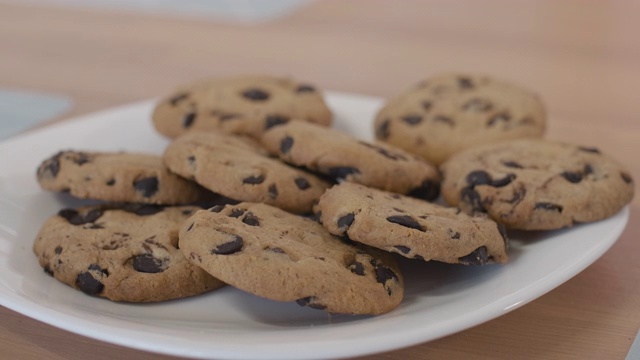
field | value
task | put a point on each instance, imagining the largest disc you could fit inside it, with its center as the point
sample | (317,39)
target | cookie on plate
(127,254)
(448,113)
(117,177)
(410,227)
(239,169)
(239,105)
(280,256)
(537,184)
(343,157)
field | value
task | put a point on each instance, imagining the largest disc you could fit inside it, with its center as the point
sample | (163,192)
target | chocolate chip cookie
(410,227)
(239,105)
(447,113)
(343,157)
(280,256)
(125,254)
(239,169)
(118,177)
(537,184)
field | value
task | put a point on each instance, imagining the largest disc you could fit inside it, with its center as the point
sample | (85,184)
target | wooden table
(582,56)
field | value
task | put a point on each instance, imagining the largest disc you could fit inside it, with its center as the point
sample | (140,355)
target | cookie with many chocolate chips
(448,113)
(343,157)
(239,169)
(239,105)
(410,227)
(125,254)
(273,254)
(117,177)
(537,184)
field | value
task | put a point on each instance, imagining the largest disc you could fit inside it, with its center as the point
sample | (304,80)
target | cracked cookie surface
(117,177)
(448,113)
(127,254)
(239,169)
(280,256)
(537,184)
(410,227)
(343,157)
(239,105)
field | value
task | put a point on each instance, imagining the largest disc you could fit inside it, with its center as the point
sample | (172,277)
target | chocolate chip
(406,221)
(178,98)
(572,177)
(506,180)
(58,250)
(51,165)
(478,177)
(477,105)
(188,119)
(498,117)
(276,250)
(75,218)
(426,105)
(236,213)
(589,149)
(251,219)
(88,285)
(469,196)
(310,301)
(304,88)
(190,226)
(587,169)
(47,270)
(548,206)
(345,221)
(342,172)
(147,186)
(285,144)
(412,119)
(479,256)
(230,247)
(383,274)
(444,119)
(382,131)
(256,94)
(428,190)
(302,183)
(454,235)
(626,177)
(512,164)
(503,232)
(253,180)
(147,263)
(81,158)
(273,191)
(274,120)
(356,268)
(403,249)
(111,182)
(465,83)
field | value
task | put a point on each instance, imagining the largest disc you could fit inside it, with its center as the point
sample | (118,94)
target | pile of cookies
(258,191)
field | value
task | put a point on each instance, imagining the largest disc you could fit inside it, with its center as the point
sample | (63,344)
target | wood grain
(581,56)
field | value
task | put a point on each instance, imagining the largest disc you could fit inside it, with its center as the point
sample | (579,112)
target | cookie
(127,254)
(280,256)
(448,113)
(343,157)
(117,177)
(241,170)
(239,105)
(410,227)
(537,184)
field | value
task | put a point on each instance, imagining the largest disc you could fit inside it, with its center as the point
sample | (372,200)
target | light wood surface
(581,56)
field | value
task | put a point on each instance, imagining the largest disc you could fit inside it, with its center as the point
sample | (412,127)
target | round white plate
(440,299)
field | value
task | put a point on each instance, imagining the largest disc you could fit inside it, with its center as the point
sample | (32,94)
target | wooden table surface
(582,56)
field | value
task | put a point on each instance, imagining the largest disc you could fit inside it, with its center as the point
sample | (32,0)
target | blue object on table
(21,110)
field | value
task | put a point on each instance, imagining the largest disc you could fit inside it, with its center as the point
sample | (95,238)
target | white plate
(440,299)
